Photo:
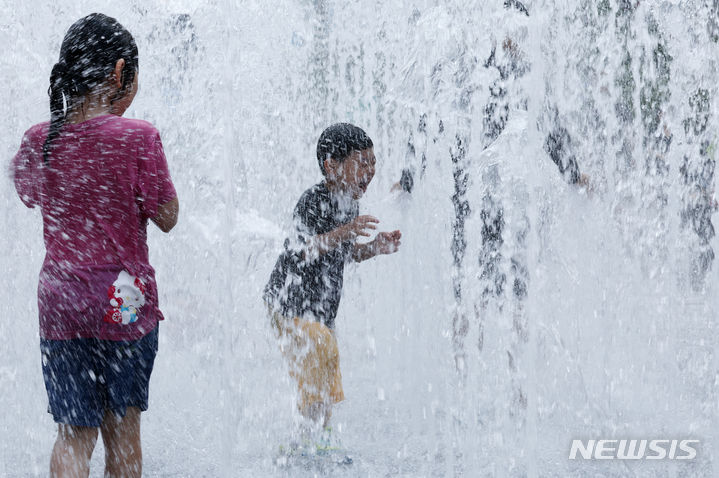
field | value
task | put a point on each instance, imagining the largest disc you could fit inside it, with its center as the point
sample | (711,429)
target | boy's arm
(362,252)
(384,243)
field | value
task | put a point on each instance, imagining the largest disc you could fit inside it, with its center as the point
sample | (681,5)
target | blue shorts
(84,378)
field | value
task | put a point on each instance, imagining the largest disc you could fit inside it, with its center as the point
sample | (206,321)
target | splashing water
(525,309)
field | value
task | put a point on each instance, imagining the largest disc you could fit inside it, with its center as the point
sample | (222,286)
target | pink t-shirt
(104,179)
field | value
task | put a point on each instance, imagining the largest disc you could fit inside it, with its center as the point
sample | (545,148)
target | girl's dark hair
(339,140)
(88,55)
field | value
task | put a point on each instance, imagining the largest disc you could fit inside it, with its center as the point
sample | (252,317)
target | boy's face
(354,174)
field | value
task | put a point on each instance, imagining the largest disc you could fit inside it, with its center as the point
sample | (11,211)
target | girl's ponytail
(57,92)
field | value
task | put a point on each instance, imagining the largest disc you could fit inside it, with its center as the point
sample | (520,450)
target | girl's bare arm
(167,215)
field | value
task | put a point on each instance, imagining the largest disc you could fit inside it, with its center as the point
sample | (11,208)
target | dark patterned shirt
(311,287)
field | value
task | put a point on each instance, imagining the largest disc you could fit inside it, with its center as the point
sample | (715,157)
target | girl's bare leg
(72,451)
(123,449)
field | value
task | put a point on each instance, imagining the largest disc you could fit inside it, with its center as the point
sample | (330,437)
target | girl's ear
(118,73)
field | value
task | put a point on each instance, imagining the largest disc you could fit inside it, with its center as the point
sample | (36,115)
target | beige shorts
(310,349)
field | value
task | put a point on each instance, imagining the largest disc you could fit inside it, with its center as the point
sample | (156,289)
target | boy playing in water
(305,287)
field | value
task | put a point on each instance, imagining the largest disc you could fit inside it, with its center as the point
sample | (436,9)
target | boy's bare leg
(72,451)
(327,415)
(319,412)
(123,448)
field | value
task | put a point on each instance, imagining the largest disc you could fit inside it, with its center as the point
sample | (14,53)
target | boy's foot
(324,447)
(330,446)
(325,442)
(307,444)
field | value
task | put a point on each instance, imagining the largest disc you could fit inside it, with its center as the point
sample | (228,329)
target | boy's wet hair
(91,48)
(339,140)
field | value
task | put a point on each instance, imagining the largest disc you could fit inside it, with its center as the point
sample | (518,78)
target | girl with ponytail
(97,178)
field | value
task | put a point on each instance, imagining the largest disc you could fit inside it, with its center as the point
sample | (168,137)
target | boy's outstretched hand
(383,243)
(359,226)
(387,242)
